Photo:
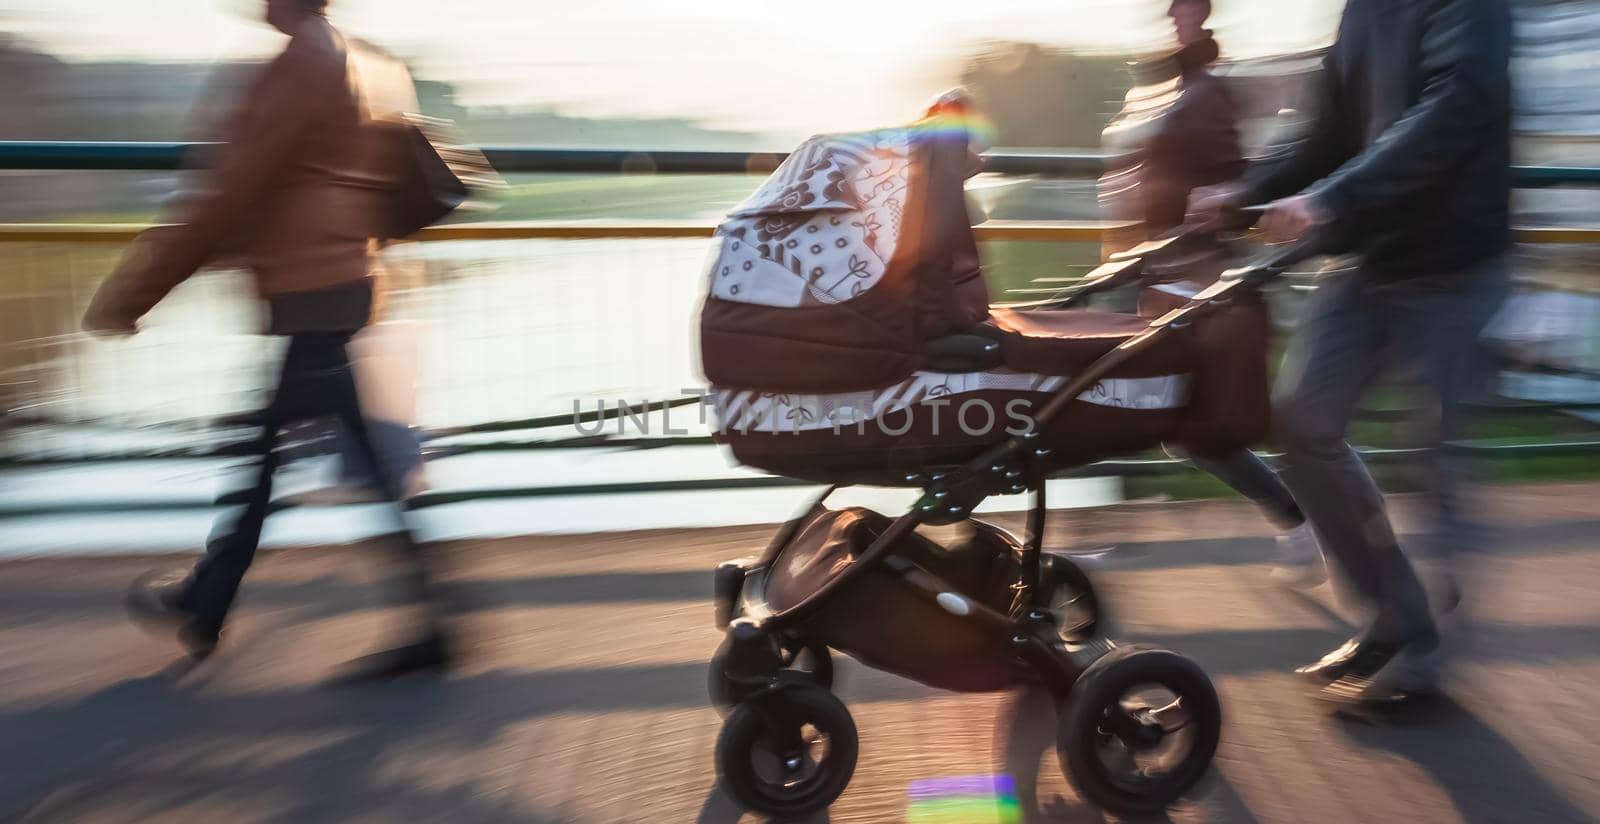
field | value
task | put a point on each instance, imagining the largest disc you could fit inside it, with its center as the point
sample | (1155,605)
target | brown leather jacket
(1197,143)
(296,192)
(1182,133)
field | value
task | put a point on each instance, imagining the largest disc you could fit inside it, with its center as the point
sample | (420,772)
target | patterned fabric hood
(852,254)
(822,228)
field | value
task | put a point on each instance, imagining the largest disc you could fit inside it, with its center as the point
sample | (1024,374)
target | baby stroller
(848,339)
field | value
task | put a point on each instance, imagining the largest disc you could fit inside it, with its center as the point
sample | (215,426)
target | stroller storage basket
(883,621)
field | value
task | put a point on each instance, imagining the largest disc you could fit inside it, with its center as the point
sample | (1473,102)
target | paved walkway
(583,697)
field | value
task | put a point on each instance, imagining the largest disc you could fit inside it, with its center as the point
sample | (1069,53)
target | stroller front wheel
(809,658)
(1138,730)
(787,752)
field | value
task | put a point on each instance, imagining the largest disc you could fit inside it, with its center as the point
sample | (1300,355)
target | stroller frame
(757,639)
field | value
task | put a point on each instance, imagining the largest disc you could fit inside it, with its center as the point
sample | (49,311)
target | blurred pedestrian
(1195,143)
(299,194)
(1406,162)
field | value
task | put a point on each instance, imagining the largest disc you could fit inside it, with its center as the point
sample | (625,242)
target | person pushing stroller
(1407,162)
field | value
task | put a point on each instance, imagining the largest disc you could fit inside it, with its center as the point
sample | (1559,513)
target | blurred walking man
(298,196)
(1407,162)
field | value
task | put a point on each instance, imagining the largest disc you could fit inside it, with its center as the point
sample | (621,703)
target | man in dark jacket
(1407,163)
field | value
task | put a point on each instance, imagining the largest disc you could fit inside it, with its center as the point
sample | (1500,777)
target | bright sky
(749,64)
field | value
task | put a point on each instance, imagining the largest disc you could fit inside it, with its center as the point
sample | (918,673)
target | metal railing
(145,156)
(1059,231)
(132,156)
(1036,231)
(655,241)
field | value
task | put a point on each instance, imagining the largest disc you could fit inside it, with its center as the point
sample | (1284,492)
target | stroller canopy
(856,250)
(823,228)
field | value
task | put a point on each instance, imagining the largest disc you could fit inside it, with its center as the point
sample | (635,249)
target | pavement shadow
(1024,736)
(720,809)
(148,749)
(1487,778)
(22,602)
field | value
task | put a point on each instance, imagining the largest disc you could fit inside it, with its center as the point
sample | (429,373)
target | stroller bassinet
(848,337)
(849,340)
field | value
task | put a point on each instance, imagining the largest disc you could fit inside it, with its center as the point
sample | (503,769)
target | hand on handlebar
(1292,218)
(1211,207)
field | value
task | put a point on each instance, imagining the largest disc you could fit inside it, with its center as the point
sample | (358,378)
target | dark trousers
(1353,330)
(316,381)
(1250,476)
(398,444)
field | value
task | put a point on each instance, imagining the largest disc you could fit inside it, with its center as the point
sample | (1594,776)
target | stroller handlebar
(1260,271)
(1125,266)
(1271,266)
(1241,218)
(1249,277)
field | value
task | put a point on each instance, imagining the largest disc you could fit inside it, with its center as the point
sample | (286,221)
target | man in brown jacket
(297,196)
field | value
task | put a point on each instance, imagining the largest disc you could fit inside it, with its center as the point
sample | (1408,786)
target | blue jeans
(1250,476)
(1428,326)
(398,446)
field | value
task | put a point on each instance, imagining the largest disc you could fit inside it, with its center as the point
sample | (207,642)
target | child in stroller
(848,338)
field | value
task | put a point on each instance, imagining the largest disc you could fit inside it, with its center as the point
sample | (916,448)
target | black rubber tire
(1108,680)
(810,658)
(742,735)
(1064,579)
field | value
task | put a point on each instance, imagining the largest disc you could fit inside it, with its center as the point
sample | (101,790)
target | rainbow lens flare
(974,126)
(977,799)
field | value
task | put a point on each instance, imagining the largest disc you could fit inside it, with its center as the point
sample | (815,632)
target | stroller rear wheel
(1138,730)
(809,658)
(787,752)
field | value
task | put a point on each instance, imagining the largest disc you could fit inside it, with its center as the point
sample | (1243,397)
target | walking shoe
(153,603)
(1386,673)
(1300,563)
(1333,666)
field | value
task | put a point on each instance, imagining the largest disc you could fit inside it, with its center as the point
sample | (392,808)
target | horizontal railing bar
(81,155)
(437,440)
(580,442)
(600,415)
(1552,234)
(1054,231)
(533,230)
(1057,231)
(1113,468)
(1540,177)
(426,499)
(92,155)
